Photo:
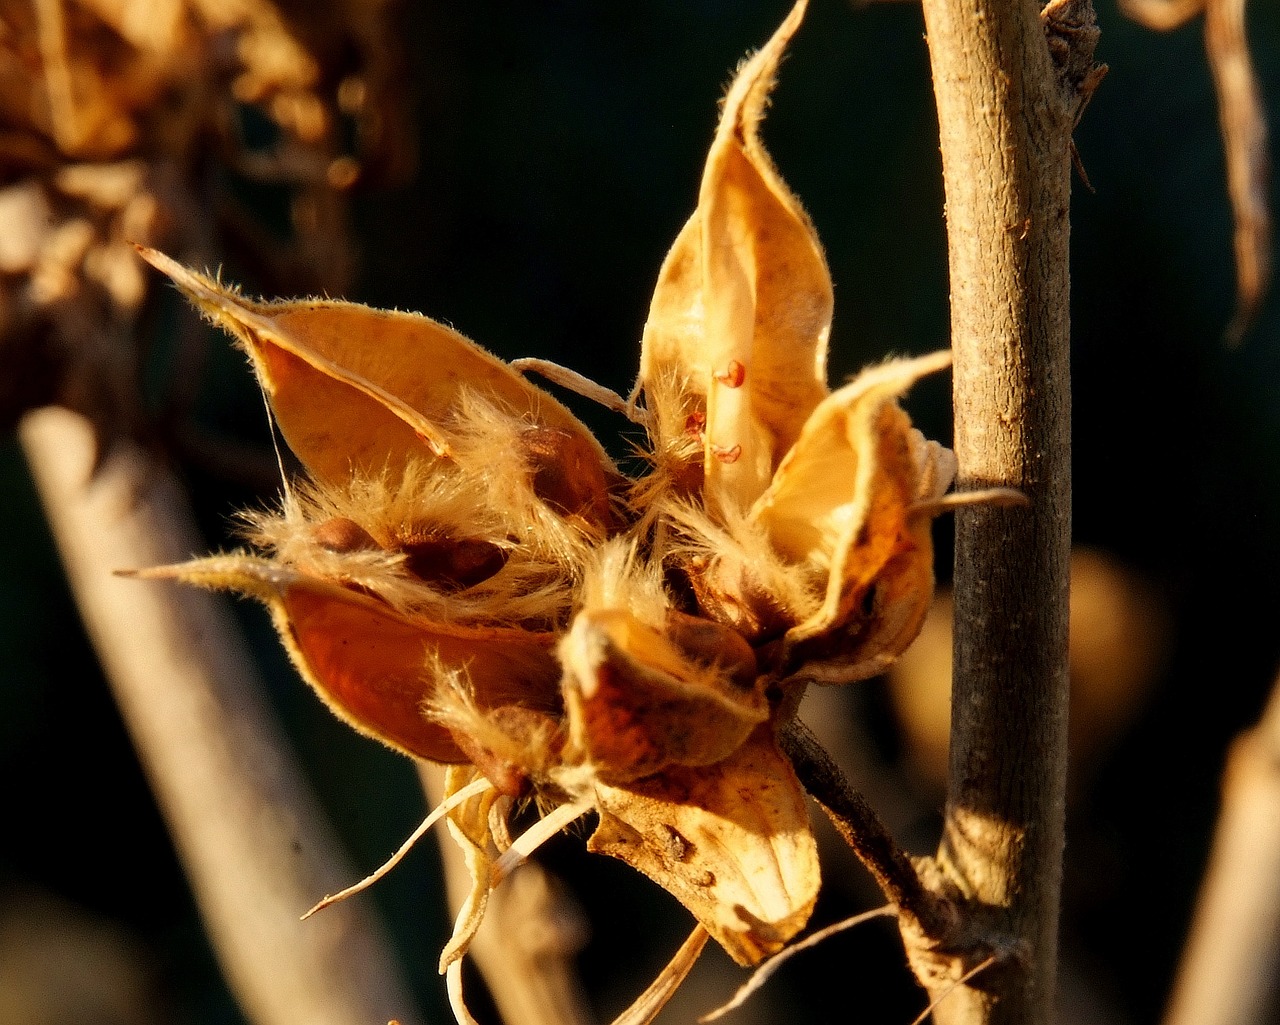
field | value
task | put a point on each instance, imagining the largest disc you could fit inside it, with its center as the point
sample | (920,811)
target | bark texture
(1010,81)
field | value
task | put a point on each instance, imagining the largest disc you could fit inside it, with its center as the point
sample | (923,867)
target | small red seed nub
(727,455)
(733,375)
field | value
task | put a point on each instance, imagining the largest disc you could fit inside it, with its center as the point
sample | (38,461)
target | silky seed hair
(530,587)
(489,451)
(452,703)
(731,545)
(619,577)
(675,449)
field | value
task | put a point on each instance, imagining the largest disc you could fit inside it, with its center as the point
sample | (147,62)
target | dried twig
(860,827)
(1229,967)
(251,837)
(1244,137)
(531,934)
(1010,82)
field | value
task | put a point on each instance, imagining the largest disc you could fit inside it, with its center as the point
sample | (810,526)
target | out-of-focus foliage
(128,121)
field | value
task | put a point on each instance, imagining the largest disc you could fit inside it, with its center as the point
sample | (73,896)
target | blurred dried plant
(130,121)
(1118,646)
(124,121)
(1244,137)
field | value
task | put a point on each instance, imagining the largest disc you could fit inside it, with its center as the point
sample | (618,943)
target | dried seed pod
(515,744)
(636,704)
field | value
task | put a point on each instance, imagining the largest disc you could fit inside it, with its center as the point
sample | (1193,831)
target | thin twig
(1242,118)
(649,1004)
(860,827)
(1244,141)
(472,789)
(767,969)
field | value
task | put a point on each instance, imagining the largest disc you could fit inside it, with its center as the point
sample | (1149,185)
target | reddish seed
(452,564)
(340,534)
(695,422)
(567,473)
(733,375)
(726,455)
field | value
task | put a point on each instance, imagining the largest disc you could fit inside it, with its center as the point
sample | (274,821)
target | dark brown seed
(568,474)
(710,643)
(451,564)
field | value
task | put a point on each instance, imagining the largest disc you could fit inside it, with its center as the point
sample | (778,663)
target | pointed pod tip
(215,301)
(233,572)
(797,14)
(166,265)
(170,572)
(892,377)
(744,103)
(912,368)
(782,35)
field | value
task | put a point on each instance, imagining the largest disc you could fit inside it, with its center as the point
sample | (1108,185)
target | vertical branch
(1009,82)
(253,842)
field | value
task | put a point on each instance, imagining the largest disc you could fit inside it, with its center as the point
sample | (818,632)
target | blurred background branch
(130,122)
(1228,974)
(1243,120)
(254,842)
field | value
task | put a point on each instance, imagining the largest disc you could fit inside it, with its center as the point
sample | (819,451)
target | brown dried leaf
(730,841)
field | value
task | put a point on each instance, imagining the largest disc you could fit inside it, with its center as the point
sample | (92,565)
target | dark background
(560,147)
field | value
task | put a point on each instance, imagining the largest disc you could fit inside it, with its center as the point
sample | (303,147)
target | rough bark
(1010,81)
(251,837)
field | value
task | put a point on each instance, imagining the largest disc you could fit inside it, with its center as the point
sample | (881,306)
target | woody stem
(862,829)
(1010,79)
